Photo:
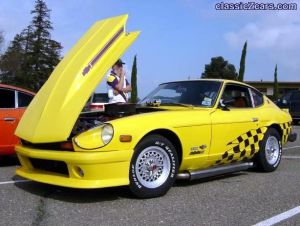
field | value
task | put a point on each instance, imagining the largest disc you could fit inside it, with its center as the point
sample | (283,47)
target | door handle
(9,119)
(254,119)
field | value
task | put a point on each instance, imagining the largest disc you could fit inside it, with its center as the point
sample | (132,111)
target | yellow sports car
(185,129)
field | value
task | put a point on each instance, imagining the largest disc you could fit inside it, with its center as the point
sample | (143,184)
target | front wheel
(270,151)
(153,167)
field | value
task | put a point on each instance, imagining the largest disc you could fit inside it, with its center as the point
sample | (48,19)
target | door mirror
(225,104)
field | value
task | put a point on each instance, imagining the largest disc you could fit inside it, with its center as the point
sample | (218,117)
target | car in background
(97,102)
(291,101)
(13,102)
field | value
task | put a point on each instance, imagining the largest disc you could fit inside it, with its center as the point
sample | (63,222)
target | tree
(276,91)
(134,92)
(36,52)
(1,40)
(44,53)
(219,68)
(242,63)
(11,62)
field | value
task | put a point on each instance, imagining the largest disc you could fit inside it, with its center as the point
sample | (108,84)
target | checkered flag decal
(243,147)
(286,130)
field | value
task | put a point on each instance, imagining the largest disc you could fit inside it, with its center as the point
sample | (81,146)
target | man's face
(117,69)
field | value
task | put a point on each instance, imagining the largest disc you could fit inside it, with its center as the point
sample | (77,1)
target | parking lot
(244,198)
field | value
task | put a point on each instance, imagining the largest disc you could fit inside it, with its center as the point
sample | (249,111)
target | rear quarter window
(258,98)
(24,99)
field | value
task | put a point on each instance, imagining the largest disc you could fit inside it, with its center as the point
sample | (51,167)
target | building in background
(267,87)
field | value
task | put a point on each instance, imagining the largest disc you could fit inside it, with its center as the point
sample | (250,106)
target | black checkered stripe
(244,147)
(286,130)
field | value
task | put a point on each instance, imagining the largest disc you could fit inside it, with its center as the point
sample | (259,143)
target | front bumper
(83,169)
(292,137)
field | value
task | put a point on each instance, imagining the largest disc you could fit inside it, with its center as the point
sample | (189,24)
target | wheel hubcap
(272,150)
(152,167)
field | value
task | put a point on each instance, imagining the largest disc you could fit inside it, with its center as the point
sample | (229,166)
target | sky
(178,37)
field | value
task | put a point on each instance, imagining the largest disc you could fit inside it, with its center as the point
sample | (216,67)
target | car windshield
(196,93)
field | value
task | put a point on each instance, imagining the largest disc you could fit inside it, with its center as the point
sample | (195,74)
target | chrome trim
(192,175)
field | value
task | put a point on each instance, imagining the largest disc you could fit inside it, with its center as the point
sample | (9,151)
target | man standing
(119,87)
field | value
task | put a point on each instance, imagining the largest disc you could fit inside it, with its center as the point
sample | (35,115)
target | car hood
(54,110)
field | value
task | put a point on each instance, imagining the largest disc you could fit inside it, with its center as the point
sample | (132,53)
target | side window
(7,98)
(295,96)
(258,98)
(237,96)
(24,99)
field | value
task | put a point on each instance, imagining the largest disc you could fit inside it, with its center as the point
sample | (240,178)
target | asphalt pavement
(244,198)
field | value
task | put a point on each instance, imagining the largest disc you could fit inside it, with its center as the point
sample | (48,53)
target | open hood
(53,112)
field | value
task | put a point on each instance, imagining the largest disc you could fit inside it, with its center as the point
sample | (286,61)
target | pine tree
(44,53)
(276,90)
(134,92)
(1,40)
(242,63)
(11,62)
(32,55)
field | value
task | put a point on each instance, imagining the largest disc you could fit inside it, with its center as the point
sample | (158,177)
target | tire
(153,167)
(270,151)
(295,121)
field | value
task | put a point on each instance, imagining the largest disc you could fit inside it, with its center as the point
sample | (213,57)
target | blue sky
(178,37)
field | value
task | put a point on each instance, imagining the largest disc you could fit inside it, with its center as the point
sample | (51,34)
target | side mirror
(225,104)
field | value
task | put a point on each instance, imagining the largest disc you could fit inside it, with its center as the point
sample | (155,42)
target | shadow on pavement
(9,161)
(219,178)
(74,195)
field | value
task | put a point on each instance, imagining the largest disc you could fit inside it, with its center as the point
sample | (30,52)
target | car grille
(50,165)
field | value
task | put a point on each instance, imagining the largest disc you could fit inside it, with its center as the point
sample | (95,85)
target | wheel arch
(172,137)
(277,128)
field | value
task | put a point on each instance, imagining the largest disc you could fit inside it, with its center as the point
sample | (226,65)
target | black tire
(295,121)
(149,181)
(262,162)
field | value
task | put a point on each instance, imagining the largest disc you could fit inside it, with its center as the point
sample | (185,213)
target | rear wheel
(269,156)
(153,167)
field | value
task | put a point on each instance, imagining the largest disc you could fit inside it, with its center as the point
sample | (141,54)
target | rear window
(7,98)
(24,99)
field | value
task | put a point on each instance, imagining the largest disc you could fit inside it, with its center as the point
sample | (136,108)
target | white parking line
(13,181)
(290,157)
(291,147)
(280,217)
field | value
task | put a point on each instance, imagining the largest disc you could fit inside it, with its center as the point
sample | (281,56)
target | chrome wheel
(153,167)
(272,150)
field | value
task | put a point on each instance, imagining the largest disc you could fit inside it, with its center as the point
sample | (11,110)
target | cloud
(276,35)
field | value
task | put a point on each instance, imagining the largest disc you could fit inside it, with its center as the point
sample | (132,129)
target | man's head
(118,66)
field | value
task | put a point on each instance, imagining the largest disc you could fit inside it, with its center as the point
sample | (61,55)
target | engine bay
(90,119)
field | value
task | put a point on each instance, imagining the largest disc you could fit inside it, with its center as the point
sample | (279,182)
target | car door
(234,126)
(9,118)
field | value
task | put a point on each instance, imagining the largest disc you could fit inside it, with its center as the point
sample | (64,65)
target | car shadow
(11,160)
(73,195)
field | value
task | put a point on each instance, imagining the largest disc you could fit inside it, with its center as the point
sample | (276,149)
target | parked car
(97,102)
(13,101)
(291,101)
(184,129)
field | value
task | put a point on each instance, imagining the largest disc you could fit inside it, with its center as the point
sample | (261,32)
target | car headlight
(107,133)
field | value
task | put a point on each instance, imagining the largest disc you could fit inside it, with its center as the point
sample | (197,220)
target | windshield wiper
(178,104)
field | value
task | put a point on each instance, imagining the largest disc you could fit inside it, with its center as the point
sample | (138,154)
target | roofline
(207,79)
(16,88)
(271,82)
